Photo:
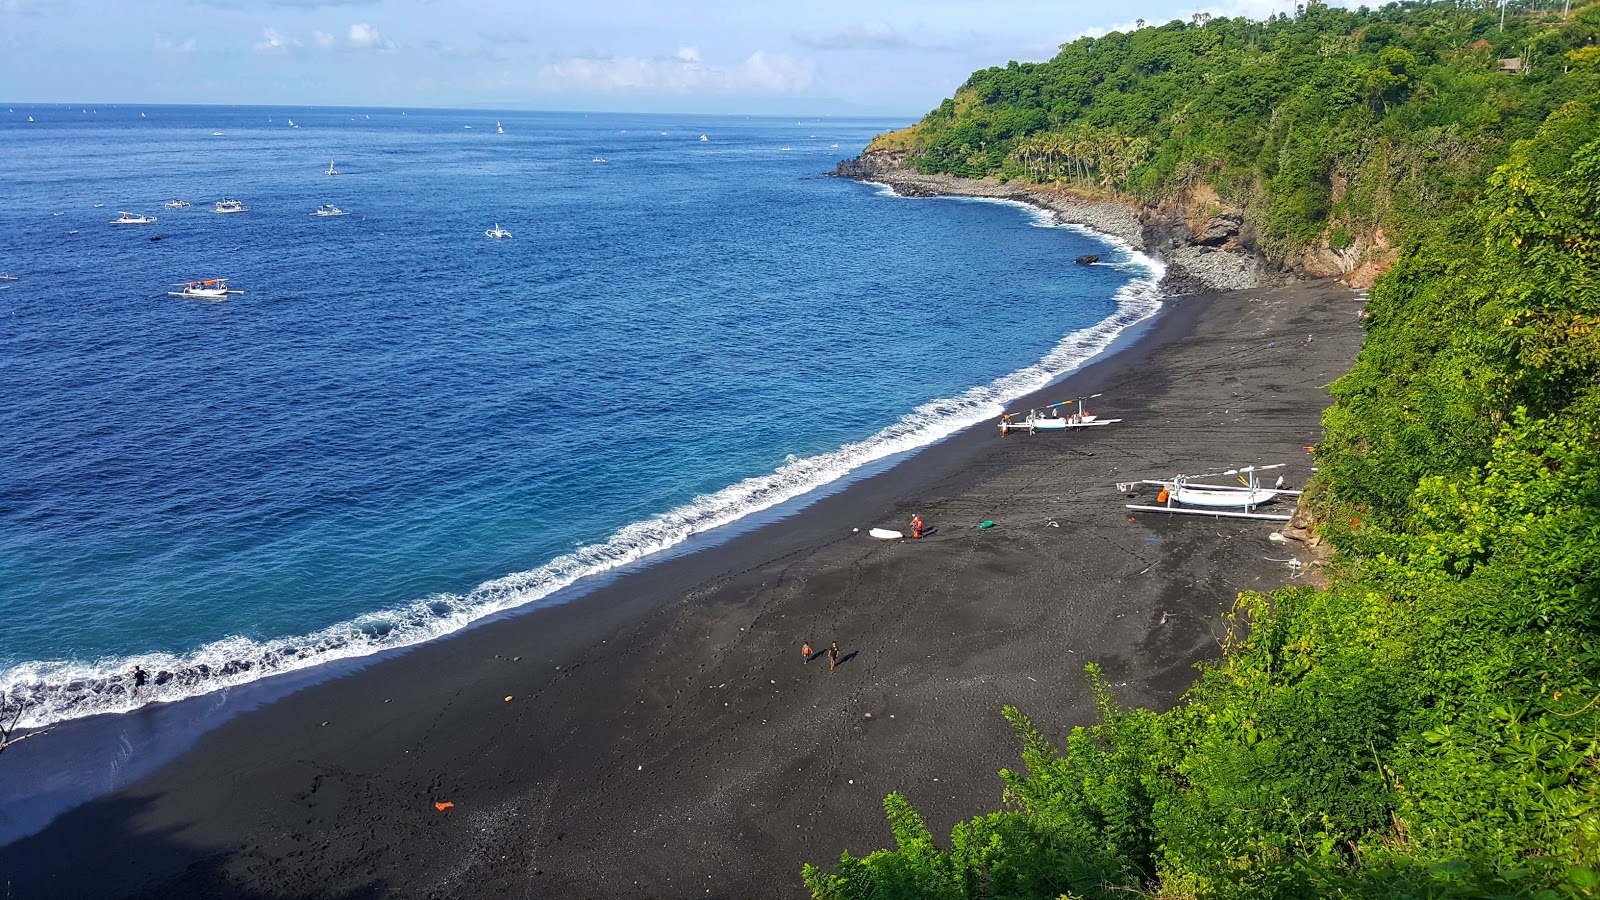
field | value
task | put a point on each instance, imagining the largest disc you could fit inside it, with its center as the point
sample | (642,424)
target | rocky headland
(1204,245)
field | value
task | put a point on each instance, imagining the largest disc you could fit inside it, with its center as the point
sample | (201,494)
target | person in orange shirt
(916,526)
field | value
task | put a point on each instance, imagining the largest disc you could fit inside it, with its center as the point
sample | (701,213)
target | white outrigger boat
(210,289)
(176,204)
(497,232)
(1037,421)
(328,209)
(1182,494)
(230,206)
(331,169)
(128,218)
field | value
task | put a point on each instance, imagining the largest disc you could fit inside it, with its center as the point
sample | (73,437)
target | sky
(817,57)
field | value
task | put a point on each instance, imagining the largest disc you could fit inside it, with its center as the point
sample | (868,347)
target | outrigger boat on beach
(210,289)
(1038,421)
(1182,494)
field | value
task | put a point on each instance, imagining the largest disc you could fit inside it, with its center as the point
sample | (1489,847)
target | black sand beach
(661,737)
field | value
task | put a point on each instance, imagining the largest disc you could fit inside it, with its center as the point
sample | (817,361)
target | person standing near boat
(916,526)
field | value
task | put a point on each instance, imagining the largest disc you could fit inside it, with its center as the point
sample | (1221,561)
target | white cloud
(859,37)
(168,45)
(877,36)
(323,39)
(775,72)
(685,72)
(274,42)
(364,35)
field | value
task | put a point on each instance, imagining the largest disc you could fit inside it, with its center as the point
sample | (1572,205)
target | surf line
(61,690)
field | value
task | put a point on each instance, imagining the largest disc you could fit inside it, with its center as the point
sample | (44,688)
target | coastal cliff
(1209,252)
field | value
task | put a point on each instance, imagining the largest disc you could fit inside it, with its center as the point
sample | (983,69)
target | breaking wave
(58,690)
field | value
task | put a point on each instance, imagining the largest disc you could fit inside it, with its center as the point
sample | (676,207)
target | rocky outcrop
(1204,245)
(1212,258)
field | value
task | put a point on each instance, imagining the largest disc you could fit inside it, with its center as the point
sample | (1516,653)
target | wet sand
(661,736)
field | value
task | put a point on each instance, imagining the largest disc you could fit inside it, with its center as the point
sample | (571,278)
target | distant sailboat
(499,128)
(331,169)
(704,138)
(292,124)
(30,118)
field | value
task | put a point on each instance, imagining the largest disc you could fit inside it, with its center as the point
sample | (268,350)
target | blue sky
(819,57)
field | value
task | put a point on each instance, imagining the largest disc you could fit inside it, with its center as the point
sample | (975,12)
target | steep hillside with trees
(1339,131)
(1429,724)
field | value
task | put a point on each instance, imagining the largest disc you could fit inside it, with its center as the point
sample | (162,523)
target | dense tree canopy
(1428,725)
(1330,120)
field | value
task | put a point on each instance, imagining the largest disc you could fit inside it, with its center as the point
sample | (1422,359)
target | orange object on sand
(1162,497)
(441,807)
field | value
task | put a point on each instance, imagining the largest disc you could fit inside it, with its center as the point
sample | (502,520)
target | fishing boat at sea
(328,209)
(331,169)
(1183,494)
(128,218)
(230,206)
(176,204)
(209,289)
(497,232)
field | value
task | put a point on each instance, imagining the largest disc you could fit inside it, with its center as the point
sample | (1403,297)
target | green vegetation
(1355,119)
(1429,724)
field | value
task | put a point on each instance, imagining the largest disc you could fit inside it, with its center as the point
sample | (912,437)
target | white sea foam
(59,690)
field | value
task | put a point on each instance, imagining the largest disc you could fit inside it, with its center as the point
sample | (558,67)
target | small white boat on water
(216,134)
(292,124)
(497,232)
(128,218)
(598,159)
(328,209)
(499,129)
(331,169)
(230,206)
(176,204)
(704,138)
(210,289)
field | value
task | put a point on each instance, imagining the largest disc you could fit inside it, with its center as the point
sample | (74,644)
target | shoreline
(224,665)
(1209,263)
(662,740)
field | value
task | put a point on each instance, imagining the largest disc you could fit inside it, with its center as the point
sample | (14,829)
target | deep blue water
(404,425)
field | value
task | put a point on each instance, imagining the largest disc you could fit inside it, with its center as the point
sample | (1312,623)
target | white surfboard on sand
(886,534)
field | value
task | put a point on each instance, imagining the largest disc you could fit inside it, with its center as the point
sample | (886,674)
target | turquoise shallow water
(402,425)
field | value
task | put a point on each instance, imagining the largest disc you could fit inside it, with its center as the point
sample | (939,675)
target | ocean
(401,425)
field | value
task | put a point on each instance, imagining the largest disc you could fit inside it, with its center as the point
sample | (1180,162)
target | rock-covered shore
(1199,256)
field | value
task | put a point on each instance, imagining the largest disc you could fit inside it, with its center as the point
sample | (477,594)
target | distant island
(1425,723)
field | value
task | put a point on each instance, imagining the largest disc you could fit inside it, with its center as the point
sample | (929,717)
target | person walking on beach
(833,656)
(140,676)
(916,526)
(806,650)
